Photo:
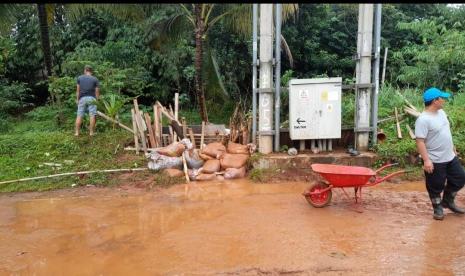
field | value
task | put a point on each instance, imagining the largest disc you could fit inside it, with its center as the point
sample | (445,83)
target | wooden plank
(191,134)
(140,125)
(134,127)
(184,126)
(150,130)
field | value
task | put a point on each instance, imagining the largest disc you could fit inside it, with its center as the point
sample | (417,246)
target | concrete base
(304,160)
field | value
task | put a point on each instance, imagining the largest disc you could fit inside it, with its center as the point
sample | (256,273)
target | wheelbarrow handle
(384,178)
(386,166)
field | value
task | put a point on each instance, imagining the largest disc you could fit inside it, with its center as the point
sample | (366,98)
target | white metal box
(315,108)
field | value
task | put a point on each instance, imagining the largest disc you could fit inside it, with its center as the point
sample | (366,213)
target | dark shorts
(451,171)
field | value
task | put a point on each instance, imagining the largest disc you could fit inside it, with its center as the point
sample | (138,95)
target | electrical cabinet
(315,108)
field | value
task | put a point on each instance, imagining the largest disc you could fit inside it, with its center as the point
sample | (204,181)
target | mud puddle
(228,228)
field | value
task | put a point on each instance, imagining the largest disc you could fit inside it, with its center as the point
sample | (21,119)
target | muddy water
(237,228)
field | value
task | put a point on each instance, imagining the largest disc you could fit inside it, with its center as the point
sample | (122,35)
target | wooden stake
(150,130)
(176,110)
(155,126)
(410,132)
(114,121)
(134,127)
(191,134)
(203,135)
(160,127)
(399,132)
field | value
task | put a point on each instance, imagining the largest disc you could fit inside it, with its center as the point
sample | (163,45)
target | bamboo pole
(410,132)
(399,133)
(150,130)
(412,112)
(176,110)
(114,121)
(71,173)
(202,137)
(134,127)
(384,65)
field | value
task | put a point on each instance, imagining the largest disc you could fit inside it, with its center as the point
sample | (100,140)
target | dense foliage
(426,47)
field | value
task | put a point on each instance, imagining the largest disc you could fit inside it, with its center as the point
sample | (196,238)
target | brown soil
(228,228)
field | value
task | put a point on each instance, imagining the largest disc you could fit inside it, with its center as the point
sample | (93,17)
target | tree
(199,19)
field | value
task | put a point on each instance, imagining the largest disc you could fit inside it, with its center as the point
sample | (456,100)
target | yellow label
(324,96)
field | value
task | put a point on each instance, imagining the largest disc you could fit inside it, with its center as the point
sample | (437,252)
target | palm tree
(199,19)
(45,13)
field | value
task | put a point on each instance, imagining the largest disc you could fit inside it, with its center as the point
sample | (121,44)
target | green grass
(36,140)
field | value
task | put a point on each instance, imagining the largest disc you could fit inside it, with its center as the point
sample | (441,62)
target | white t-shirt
(435,129)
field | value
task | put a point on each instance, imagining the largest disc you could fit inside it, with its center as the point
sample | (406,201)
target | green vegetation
(147,51)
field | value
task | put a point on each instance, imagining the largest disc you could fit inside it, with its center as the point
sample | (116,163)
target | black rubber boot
(438,213)
(448,202)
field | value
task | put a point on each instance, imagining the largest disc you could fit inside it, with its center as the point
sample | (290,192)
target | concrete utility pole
(363,76)
(265,120)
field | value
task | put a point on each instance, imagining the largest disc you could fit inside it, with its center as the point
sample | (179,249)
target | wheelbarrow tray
(344,176)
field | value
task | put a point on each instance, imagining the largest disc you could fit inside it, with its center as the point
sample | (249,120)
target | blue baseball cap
(434,93)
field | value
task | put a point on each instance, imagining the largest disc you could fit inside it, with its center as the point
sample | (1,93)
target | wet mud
(228,228)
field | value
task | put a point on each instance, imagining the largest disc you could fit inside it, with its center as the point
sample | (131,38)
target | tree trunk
(45,37)
(199,88)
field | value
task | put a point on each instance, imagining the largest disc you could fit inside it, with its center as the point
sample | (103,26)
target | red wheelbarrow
(339,176)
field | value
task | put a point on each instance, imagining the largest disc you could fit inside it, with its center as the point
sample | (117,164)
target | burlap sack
(237,148)
(205,156)
(211,166)
(205,177)
(214,149)
(173,150)
(229,160)
(193,160)
(219,177)
(174,172)
(231,173)
(192,174)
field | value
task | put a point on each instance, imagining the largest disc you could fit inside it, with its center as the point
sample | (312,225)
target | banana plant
(111,105)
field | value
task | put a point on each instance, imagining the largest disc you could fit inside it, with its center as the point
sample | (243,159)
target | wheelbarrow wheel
(318,200)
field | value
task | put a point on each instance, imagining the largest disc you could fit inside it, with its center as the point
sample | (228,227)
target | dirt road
(228,228)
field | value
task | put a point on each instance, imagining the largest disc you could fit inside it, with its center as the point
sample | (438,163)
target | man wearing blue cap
(440,162)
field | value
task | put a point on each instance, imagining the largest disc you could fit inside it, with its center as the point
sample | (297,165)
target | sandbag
(214,149)
(232,173)
(192,174)
(237,161)
(205,156)
(193,160)
(237,148)
(173,150)
(205,177)
(211,166)
(158,161)
(174,172)
(219,177)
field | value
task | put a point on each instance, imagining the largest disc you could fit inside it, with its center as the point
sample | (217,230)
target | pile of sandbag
(214,162)
(222,162)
